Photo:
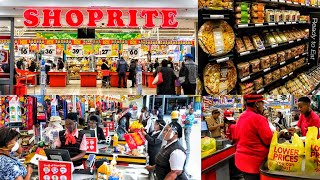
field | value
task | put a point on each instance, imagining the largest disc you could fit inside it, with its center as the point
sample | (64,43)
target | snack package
(208,146)
(247,43)
(312,150)
(258,44)
(243,69)
(240,46)
(286,156)
(255,65)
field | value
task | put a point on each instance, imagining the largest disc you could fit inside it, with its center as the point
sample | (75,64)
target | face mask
(15,147)
(171,135)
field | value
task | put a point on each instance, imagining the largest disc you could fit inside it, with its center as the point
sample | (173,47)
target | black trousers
(189,89)
(248,176)
(123,78)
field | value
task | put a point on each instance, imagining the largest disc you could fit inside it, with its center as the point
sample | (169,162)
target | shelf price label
(77,50)
(23,49)
(50,50)
(106,50)
(134,50)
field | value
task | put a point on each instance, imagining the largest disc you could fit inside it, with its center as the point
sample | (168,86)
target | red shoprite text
(114,17)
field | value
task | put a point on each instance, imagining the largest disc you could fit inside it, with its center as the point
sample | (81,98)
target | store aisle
(74,88)
(195,157)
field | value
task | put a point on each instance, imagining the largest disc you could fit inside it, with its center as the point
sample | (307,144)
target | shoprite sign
(111,17)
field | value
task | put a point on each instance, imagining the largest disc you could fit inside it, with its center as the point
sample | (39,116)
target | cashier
(170,161)
(93,125)
(73,140)
(308,118)
(214,124)
(253,137)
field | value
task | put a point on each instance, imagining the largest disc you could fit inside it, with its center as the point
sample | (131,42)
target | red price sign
(4,57)
(55,170)
(105,131)
(92,145)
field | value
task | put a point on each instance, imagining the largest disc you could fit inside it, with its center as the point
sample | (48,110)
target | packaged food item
(269,15)
(257,20)
(283,37)
(243,69)
(243,6)
(287,54)
(277,37)
(257,14)
(270,39)
(258,44)
(281,56)
(290,13)
(273,59)
(216,5)
(267,79)
(277,16)
(257,7)
(258,83)
(247,43)
(239,45)
(276,75)
(246,88)
(265,62)
(242,13)
(294,51)
(284,71)
(255,65)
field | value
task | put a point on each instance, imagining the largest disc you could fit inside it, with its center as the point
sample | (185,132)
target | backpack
(183,75)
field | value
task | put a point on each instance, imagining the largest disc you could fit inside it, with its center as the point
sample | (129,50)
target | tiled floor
(74,88)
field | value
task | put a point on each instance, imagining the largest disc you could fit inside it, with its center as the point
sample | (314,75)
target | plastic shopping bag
(286,156)
(138,138)
(208,146)
(312,150)
(130,141)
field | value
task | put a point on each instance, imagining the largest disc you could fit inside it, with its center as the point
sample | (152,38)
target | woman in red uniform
(253,136)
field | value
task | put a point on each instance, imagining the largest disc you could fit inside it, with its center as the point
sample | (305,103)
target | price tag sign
(105,50)
(77,50)
(92,144)
(50,50)
(23,49)
(134,50)
(4,57)
(55,170)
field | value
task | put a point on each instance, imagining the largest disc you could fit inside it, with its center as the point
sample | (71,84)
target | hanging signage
(50,50)
(134,50)
(105,50)
(4,57)
(111,17)
(54,170)
(23,49)
(92,145)
(314,38)
(77,50)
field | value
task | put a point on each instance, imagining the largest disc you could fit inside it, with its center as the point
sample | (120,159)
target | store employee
(73,141)
(213,123)
(308,118)
(93,125)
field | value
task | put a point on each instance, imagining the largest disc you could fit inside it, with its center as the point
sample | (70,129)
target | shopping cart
(105,78)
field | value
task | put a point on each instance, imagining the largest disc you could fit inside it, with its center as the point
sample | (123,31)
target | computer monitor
(89,133)
(204,129)
(58,154)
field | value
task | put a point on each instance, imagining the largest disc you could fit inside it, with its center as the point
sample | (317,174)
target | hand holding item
(29,170)
(150,168)
(143,131)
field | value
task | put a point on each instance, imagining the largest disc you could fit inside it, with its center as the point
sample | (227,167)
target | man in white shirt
(170,161)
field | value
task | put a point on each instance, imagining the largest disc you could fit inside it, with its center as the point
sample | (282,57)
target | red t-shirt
(305,122)
(253,137)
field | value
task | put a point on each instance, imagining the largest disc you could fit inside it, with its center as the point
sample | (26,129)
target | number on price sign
(50,50)
(77,50)
(106,50)
(23,49)
(134,50)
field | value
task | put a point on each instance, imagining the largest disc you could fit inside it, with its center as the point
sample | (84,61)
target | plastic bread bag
(286,156)
(208,146)
(312,150)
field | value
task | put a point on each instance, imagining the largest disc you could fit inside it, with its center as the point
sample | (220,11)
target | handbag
(158,79)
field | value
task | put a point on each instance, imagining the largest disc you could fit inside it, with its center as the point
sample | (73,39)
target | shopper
(253,137)
(266,115)
(170,161)
(308,118)
(105,68)
(214,124)
(132,72)
(175,115)
(94,125)
(60,64)
(154,139)
(122,68)
(145,116)
(122,125)
(167,87)
(170,64)
(192,75)
(184,78)
(156,64)
(92,111)
(11,168)
(73,140)
(51,133)
(230,125)
(32,67)
(187,130)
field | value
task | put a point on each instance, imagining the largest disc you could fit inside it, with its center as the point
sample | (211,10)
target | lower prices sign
(4,57)
(92,145)
(134,50)
(23,49)
(77,50)
(50,50)
(105,50)
(55,170)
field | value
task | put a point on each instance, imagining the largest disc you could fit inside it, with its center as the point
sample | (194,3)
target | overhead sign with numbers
(134,50)
(23,49)
(50,50)
(105,50)
(77,50)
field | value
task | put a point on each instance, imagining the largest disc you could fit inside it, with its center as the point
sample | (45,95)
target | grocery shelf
(270,24)
(270,49)
(208,14)
(284,3)
(221,59)
(315,90)
(263,72)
